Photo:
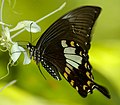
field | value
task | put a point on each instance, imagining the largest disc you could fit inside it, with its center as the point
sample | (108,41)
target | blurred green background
(31,88)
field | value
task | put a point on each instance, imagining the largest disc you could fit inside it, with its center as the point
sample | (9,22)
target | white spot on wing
(72,63)
(75,58)
(63,43)
(69,50)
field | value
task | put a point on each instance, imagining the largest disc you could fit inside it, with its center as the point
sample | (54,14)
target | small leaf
(19,26)
(15,51)
(32,27)
(27,60)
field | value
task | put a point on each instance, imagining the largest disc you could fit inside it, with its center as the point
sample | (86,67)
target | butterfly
(63,49)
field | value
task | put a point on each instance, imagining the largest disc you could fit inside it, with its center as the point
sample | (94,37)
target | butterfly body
(63,49)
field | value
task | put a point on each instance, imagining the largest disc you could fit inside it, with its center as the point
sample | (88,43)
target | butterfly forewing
(78,23)
(64,46)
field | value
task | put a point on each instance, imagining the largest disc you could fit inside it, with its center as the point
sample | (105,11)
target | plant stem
(16,34)
(1,11)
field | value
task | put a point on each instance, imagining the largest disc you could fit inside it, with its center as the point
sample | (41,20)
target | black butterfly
(63,48)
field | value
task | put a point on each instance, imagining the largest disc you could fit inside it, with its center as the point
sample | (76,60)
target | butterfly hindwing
(51,69)
(77,70)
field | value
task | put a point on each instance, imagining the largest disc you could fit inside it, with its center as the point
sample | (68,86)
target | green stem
(1,11)
(41,19)
(51,13)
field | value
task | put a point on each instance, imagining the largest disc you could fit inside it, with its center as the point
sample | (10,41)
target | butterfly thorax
(34,53)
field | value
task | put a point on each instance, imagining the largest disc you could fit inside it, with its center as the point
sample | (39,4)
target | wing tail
(103,90)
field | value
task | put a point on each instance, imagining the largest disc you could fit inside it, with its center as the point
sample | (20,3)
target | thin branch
(41,19)
(8,71)
(8,84)
(51,13)
(1,12)
(16,34)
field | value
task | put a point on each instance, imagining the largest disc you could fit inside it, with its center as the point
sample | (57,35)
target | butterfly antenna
(31,32)
(41,72)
